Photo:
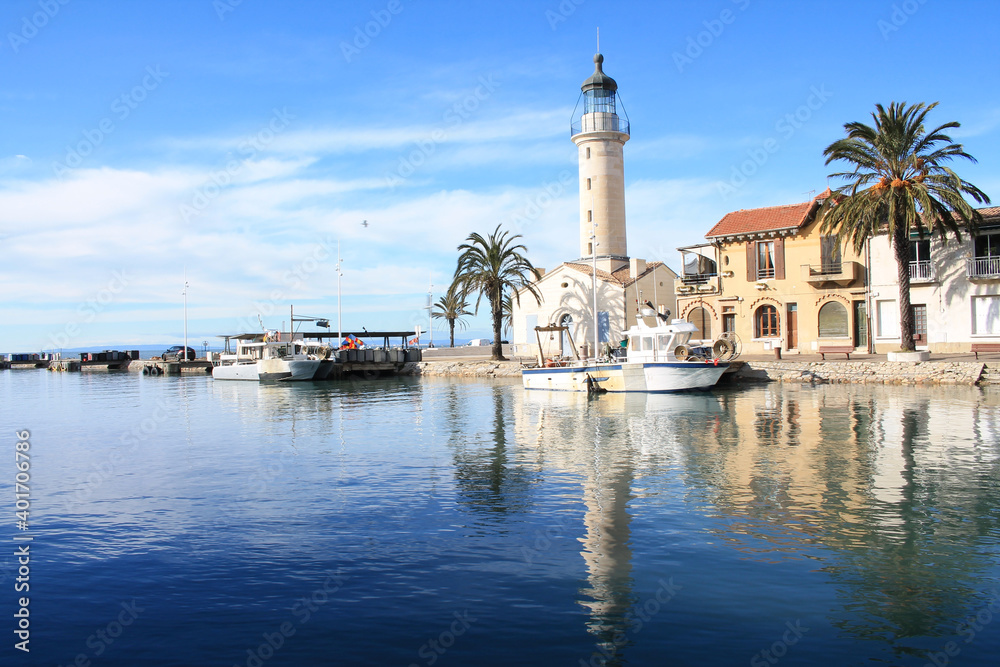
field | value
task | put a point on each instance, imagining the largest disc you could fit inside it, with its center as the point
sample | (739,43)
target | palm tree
(900,186)
(452,307)
(491,267)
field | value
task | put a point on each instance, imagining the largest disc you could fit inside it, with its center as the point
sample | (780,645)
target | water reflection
(489,481)
(892,490)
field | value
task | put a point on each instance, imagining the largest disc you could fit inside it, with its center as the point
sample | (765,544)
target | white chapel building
(568,290)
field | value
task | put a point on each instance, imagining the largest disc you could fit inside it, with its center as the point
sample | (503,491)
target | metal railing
(599,122)
(697,278)
(983,267)
(765,274)
(921,271)
(827,269)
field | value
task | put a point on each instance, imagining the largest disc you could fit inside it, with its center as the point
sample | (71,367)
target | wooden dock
(158,367)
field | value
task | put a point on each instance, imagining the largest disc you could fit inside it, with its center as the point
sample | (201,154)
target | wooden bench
(985,347)
(834,349)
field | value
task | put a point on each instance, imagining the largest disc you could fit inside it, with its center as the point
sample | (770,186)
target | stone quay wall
(864,372)
(805,372)
(478,368)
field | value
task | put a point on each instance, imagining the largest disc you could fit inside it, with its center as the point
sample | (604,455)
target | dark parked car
(174,354)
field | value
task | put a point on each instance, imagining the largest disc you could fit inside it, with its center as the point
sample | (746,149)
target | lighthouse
(597,307)
(600,137)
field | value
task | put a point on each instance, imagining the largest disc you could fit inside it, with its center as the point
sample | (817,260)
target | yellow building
(770,276)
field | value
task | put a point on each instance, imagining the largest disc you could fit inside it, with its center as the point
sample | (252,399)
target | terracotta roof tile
(770,218)
(791,216)
(622,277)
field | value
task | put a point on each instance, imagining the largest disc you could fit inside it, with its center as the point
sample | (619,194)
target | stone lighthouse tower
(600,136)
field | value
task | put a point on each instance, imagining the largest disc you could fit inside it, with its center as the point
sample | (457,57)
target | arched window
(701,319)
(765,322)
(833,321)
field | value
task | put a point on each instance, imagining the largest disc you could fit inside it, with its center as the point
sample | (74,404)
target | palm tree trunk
(496,304)
(451,326)
(901,250)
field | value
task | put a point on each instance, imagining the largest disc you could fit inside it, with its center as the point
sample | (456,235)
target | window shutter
(779,258)
(751,262)
(833,321)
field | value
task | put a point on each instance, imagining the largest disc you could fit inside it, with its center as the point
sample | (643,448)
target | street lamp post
(593,238)
(430,315)
(185,293)
(340,274)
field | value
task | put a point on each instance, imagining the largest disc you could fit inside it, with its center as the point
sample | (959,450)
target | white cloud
(451,128)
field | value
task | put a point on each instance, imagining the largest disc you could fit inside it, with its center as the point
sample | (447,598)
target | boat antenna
(638,300)
(656,300)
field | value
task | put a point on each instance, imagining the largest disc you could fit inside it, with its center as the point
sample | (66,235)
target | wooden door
(860,325)
(792,341)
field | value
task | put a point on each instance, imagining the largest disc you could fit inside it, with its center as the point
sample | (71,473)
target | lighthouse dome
(599,80)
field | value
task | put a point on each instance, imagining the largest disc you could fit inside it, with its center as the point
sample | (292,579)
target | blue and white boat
(657,359)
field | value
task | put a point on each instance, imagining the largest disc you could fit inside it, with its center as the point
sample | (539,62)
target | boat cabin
(658,343)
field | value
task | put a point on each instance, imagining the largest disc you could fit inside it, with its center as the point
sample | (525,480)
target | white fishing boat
(657,359)
(265,357)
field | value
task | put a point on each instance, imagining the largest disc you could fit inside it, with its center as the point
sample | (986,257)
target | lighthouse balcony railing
(599,122)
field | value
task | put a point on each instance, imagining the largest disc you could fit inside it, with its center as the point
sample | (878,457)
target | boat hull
(269,370)
(324,369)
(626,376)
(236,372)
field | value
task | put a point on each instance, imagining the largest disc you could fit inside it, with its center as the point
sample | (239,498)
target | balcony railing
(765,274)
(983,267)
(697,278)
(599,122)
(841,273)
(921,272)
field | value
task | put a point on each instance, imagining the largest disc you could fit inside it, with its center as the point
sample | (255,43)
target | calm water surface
(181,521)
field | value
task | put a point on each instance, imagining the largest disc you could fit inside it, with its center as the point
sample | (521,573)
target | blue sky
(235,142)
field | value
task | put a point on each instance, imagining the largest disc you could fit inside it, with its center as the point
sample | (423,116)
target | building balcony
(983,268)
(837,273)
(694,283)
(921,272)
(697,278)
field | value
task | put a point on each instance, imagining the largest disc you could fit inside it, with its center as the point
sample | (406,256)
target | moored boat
(657,359)
(263,357)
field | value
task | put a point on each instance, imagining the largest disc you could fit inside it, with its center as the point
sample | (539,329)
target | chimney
(636,266)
